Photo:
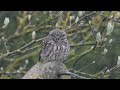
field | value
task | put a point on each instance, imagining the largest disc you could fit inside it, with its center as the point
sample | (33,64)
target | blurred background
(94,37)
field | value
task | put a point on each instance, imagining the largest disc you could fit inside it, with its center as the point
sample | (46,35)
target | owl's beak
(57,38)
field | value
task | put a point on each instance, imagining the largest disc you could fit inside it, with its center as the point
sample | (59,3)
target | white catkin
(20,68)
(80,13)
(77,19)
(26,61)
(98,37)
(6,22)
(1,68)
(105,50)
(3,38)
(93,62)
(29,17)
(72,18)
(118,61)
(110,28)
(92,47)
(110,41)
(33,35)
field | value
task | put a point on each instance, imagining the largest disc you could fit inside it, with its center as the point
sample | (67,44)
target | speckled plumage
(55,47)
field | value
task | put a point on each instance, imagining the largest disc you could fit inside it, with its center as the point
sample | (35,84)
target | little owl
(55,47)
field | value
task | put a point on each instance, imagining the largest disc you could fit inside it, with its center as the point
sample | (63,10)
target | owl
(55,47)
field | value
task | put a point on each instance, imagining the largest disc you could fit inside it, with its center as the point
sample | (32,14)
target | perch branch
(72,74)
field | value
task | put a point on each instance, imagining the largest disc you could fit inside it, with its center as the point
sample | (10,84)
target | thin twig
(109,18)
(90,75)
(21,48)
(80,19)
(86,66)
(114,68)
(83,54)
(82,44)
(104,72)
(73,75)
(91,28)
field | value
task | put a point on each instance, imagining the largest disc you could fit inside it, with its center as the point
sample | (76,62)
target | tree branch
(19,49)
(80,19)
(72,74)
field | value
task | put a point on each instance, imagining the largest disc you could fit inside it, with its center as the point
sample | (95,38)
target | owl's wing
(42,46)
(46,42)
(46,46)
(40,55)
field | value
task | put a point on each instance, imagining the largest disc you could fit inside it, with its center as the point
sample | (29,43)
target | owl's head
(58,34)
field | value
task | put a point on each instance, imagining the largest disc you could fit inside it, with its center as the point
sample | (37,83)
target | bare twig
(73,75)
(90,75)
(86,66)
(91,28)
(83,54)
(104,72)
(21,48)
(109,18)
(82,44)
(80,19)
(114,68)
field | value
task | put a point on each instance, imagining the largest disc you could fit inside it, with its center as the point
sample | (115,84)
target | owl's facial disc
(58,34)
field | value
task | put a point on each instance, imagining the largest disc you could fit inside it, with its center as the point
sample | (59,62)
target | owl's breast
(60,48)
(55,51)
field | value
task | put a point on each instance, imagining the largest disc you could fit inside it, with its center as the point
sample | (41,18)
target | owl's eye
(62,37)
(64,34)
(53,35)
